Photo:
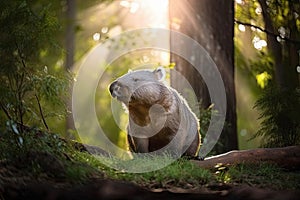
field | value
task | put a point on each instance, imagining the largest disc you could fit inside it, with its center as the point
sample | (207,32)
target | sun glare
(258,43)
(96,36)
(153,12)
(104,30)
(242,28)
(133,14)
(258,10)
(239,1)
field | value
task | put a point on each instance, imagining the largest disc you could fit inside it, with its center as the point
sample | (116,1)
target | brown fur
(179,118)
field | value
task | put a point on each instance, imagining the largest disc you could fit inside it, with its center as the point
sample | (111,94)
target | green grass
(80,167)
(183,173)
(262,175)
(179,173)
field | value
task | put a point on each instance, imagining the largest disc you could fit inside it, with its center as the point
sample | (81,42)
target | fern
(280,114)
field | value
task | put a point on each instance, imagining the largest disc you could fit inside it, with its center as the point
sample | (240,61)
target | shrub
(280,117)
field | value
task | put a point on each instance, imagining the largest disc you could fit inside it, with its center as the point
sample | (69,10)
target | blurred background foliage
(267,54)
(35,83)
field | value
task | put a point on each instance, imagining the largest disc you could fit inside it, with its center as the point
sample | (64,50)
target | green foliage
(26,85)
(205,116)
(283,12)
(280,115)
(279,101)
(247,12)
(41,155)
(15,144)
(25,31)
(204,120)
(78,166)
(179,173)
(262,69)
(261,175)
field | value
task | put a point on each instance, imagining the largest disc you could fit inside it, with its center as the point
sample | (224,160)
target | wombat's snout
(112,87)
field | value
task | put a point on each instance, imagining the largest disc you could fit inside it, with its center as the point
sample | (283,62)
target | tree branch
(41,112)
(267,32)
(5,111)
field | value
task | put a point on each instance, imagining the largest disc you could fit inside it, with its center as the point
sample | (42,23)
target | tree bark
(285,53)
(210,23)
(273,45)
(286,157)
(70,48)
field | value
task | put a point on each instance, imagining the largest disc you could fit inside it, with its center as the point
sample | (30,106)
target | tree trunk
(293,47)
(285,54)
(70,48)
(210,23)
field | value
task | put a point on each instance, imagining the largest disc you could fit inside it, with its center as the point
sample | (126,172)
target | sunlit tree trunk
(70,49)
(210,23)
(284,53)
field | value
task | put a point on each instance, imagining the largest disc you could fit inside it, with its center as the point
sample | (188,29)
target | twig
(19,88)
(41,112)
(6,112)
(267,31)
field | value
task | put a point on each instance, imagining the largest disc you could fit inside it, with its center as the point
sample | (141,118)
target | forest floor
(43,166)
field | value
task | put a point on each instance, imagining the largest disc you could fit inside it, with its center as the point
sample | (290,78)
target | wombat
(159,117)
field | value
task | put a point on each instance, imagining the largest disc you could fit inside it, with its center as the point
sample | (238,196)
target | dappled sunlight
(133,6)
(100,25)
(150,99)
(258,10)
(242,28)
(258,43)
(248,124)
(148,13)
(96,36)
(262,79)
(239,1)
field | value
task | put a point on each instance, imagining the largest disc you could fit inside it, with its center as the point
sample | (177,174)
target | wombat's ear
(160,73)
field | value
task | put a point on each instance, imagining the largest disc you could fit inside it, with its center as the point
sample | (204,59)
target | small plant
(15,144)
(280,117)
(205,116)
(205,119)
(26,85)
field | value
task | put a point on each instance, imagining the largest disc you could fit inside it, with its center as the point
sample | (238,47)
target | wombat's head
(144,86)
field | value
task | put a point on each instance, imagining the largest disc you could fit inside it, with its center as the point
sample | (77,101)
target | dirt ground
(16,184)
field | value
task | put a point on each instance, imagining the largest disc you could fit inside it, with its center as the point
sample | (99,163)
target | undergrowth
(279,111)
(263,175)
(179,173)
(39,154)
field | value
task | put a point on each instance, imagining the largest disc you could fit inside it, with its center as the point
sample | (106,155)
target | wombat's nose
(111,87)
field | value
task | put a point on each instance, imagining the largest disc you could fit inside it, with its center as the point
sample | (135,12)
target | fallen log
(285,157)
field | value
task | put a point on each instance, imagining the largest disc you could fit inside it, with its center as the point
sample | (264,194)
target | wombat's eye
(135,79)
